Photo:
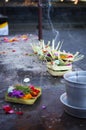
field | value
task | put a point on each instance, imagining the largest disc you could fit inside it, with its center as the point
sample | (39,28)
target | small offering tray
(55,70)
(28,101)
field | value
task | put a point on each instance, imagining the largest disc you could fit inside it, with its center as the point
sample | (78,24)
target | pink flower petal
(11,111)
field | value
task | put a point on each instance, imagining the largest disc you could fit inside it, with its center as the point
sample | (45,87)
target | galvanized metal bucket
(75,84)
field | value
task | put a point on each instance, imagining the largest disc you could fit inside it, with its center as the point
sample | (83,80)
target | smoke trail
(50,21)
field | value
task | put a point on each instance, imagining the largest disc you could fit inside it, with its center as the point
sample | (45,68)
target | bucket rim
(74,73)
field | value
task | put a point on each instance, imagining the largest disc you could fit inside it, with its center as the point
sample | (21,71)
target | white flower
(10,89)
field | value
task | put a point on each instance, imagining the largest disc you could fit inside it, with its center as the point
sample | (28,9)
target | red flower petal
(19,113)
(13,50)
(8,109)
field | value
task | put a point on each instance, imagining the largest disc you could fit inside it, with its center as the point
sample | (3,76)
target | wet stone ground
(18,62)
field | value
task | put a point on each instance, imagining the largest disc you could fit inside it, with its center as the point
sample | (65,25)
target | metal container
(75,84)
(72,110)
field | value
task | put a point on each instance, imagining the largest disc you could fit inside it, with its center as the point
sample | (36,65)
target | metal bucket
(75,84)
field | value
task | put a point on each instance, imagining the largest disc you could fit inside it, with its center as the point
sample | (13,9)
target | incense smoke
(55,32)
